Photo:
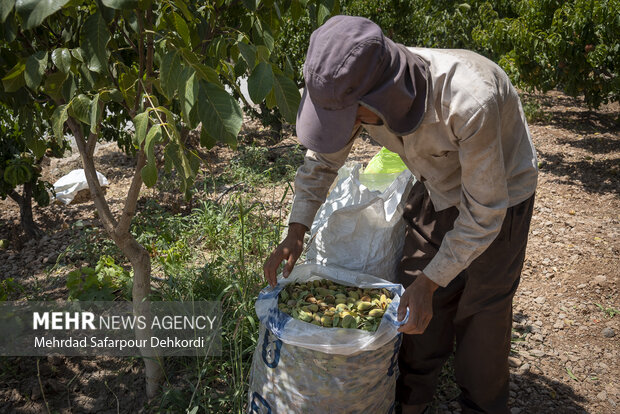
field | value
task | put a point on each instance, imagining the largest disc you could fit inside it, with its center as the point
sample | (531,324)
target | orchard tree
(164,65)
(571,45)
(22,148)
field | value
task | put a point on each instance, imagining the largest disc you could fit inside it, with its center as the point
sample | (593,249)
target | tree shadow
(595,176)
(563,112)
(71,384)
(584,122)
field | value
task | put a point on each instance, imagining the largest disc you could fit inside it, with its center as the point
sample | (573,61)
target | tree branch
(150,49)
(92,142)
(129,210)
(15,196)
(141,60)
(106,216)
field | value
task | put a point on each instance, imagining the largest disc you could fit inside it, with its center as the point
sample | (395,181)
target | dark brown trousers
(475,309)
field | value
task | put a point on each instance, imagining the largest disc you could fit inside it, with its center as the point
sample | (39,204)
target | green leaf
(187,168)
(5,8)
(149,174)
(94,38)
(188,100)
(152,138)
(35,68)
(263,53)
(77,53)
(324,11)
(8,30)
(37,145)
(251,4)
(170,125)
(203,71)
(79,108)
(58,121)
(95,114)
(171,157)
(120,4)
(114,95)
(149,171)
(62,59)
(206,140)
(296,11)
(182,29)
(33,12)
(260,82)
(127,82)
(249,53)
(219,113)
(171,73)
(287,97)
(183,7)
(53,84)
(264,35)
(15,78)
(270,100)
(141,124)
(69,87)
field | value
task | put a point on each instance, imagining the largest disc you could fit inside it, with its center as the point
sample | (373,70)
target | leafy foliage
(21,151)
(542,44)
(164,63)
(573,45)
(101,283)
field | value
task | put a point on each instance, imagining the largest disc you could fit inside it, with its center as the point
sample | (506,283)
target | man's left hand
(418,297)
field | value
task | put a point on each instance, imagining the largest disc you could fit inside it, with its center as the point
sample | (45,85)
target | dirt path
(566,339)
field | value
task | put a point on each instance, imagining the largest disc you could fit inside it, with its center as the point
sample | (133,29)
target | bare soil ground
(566,334)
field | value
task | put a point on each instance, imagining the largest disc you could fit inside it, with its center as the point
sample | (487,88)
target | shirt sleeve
(484,194)
(313,180)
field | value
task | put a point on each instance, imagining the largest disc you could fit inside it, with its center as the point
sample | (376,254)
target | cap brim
(323,130)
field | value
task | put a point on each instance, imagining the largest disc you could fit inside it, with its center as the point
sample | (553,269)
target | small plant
(84,284)
(534,112)
(610,312)
(121,279)
(9,287)
(100,283)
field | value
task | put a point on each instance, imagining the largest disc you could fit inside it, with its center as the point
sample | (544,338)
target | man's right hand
(290,249)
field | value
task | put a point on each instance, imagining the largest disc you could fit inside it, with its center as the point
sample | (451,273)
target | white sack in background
(359,229)
(68,186)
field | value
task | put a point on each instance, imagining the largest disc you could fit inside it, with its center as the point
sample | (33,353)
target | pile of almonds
(331,305)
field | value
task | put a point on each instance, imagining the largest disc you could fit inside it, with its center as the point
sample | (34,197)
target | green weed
(9,288)
(609,311)
(534,112)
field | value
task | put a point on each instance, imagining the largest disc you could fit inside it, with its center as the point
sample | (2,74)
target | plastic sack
(69,185)
(298,367)
(360,229)
(291,379)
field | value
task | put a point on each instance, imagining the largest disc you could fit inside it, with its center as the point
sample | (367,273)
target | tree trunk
(25,212)
(141,264)
(119,232)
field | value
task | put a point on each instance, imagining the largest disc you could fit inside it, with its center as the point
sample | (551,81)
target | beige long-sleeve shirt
(473,150)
